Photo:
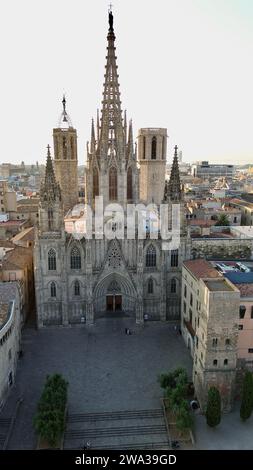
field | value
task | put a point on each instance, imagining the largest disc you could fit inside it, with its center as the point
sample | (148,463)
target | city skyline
(186,67)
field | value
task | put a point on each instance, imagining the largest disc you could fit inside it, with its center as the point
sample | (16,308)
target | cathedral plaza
(107,371)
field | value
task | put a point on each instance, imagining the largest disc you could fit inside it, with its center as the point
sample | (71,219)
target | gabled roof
(201,268)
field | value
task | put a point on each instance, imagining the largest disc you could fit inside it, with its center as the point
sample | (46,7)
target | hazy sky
(183,64)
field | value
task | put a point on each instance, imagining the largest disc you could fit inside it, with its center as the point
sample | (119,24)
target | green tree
(223,220)
(172,379)
(167,380)
(213,411)
(184,419)
(50,425)
(247,396)
(49,419)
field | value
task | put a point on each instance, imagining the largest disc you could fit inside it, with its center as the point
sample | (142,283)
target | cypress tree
(247,396)
(213,411)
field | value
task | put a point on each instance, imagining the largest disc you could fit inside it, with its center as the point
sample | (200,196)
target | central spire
(111,121)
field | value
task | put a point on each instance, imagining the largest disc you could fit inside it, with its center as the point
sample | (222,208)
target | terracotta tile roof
(18,258)
(201,268)
(6,244)
(246,290)
(25,235)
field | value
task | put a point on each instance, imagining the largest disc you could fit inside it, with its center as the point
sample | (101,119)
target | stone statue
(111,21)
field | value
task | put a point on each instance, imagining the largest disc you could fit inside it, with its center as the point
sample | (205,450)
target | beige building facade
(16,264)
(10,331)
(217,327)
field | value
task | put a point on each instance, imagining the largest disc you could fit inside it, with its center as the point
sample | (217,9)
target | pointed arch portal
(114,293)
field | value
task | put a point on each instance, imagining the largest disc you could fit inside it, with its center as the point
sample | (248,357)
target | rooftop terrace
(218,285)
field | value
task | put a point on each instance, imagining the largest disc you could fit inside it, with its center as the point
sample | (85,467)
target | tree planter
(50,418)
(43,444)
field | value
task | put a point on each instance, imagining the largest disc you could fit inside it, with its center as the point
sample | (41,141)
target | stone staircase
(131,429)
(5,424)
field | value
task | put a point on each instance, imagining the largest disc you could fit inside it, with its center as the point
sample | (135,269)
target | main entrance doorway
(114,303)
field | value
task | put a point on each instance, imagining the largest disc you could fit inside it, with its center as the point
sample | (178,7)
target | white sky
(183,64)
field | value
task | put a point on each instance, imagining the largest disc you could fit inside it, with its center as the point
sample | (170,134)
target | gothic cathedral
(79,280)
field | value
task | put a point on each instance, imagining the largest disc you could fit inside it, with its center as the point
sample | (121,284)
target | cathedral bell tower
(65,159)
(152,145)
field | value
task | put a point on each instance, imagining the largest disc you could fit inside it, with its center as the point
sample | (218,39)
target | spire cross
(176,149)
(48,149)
(64,108)
(110,7)
(64,103)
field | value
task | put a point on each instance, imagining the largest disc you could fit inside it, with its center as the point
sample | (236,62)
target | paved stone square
(231,434)
(106,369)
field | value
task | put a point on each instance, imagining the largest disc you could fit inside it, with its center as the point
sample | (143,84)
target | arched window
(153,148)
(151,256)
(95,183)
(52,260)
(56,155)
(64,145)
(77,288)
(173,286)
(72,148)
(163,148)
(50,215)
(174,258)
(150,286)
(113,190)
(129,184)
(75,258)
(53,289)
(144,147)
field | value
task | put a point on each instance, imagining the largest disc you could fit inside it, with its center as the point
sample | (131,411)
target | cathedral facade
(80,279)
